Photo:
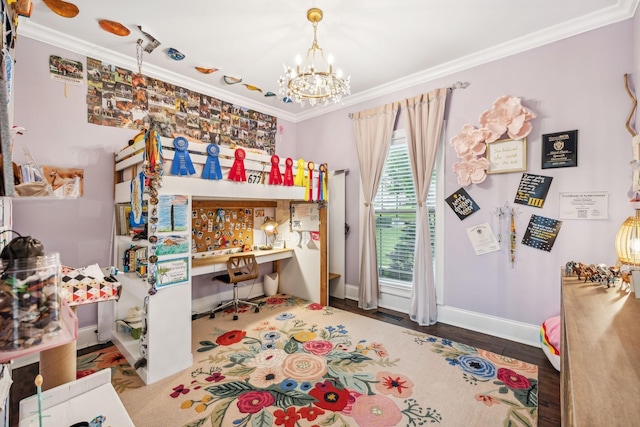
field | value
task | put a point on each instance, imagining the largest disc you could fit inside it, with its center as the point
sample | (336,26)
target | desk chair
(239,269)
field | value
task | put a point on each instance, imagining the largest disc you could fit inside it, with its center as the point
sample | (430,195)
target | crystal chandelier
(314,79)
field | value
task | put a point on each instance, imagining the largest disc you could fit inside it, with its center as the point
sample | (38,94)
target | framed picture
(507,155)
(560,149)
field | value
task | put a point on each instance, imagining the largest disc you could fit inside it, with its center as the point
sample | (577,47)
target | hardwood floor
(548,377)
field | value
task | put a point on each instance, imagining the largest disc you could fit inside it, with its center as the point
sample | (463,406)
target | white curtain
(373,129)
(424,117)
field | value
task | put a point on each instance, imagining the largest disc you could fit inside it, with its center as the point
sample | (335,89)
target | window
(395,209)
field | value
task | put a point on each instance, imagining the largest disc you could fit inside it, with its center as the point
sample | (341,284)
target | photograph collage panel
(120,98)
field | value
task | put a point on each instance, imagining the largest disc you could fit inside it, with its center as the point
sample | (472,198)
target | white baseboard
(398,300)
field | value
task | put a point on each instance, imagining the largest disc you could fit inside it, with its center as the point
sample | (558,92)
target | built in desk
(218,264)
(600,355)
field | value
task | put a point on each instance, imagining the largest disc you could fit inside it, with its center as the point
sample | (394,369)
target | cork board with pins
(221,225)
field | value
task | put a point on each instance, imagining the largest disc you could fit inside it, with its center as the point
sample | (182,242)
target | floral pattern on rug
(123,376)
(513,387)
(287,372)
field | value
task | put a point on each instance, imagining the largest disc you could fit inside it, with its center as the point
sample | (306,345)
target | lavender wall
(576,83)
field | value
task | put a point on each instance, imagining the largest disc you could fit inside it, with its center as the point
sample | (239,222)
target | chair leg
(236,302)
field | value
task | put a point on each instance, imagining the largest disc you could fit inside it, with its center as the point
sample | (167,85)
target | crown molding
(623,9)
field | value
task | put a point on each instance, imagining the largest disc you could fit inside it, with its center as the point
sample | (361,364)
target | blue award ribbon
(182,164)
(211,168)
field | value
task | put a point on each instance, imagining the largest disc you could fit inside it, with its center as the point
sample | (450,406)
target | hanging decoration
(62,8)
(237,172)
(507,116)
(275,176)
(114,27)
(512,238)
(211,169)
(137,188)
(175,54)
(288,172)
(322,182)
(251,87)
(231,80)
(308,194)
(506,217)
(153,159)
(206,70)
(299,179)
(182,164)
(152,42)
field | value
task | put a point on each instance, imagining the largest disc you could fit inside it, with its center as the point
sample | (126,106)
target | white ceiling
(383,45)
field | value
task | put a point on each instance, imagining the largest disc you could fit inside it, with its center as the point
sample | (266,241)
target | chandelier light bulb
(313,79)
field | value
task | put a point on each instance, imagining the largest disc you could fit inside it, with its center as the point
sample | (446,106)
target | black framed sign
(560,149)
(533,190)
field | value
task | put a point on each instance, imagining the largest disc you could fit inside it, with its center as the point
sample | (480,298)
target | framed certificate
(560,150)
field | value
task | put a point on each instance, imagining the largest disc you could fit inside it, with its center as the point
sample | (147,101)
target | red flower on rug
(231,337)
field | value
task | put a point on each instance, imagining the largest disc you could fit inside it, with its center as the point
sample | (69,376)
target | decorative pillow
(550,340)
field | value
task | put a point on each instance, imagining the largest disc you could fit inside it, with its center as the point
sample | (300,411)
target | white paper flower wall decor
(507,116)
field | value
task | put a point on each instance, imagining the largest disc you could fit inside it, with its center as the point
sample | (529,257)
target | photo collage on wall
(120,98)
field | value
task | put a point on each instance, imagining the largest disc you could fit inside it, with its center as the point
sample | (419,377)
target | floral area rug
(123,376)
(300,364)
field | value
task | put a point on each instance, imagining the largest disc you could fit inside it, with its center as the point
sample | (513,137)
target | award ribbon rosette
(211,168)
(182,164)
(308,194)
(275,177)
(299,179)
(237,172)
(322,183)
(288,172)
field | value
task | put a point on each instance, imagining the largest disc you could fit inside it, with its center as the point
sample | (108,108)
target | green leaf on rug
(231,389)
(217,416)
(285,399)
(262,419)
(291,347)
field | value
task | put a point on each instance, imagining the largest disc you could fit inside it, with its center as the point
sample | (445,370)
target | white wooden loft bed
(129,161)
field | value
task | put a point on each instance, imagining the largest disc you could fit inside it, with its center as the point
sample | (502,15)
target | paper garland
(211,169)
(182,164)
(237,172)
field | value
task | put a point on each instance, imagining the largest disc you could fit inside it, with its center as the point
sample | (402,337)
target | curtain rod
(454,86)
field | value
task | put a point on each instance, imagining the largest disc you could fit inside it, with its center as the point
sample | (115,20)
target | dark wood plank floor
(548,377)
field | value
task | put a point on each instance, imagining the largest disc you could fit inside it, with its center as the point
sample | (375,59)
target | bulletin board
(305,217)
(217,226)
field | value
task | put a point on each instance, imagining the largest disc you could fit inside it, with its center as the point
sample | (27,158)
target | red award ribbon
(275,177)
(288,172)
(299,179)
(308,194)
(237,173)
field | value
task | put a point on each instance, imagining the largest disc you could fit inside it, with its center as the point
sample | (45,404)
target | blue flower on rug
(513,389)
(287,372)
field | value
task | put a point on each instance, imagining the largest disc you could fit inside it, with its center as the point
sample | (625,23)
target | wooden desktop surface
(601,354)
(213,264)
